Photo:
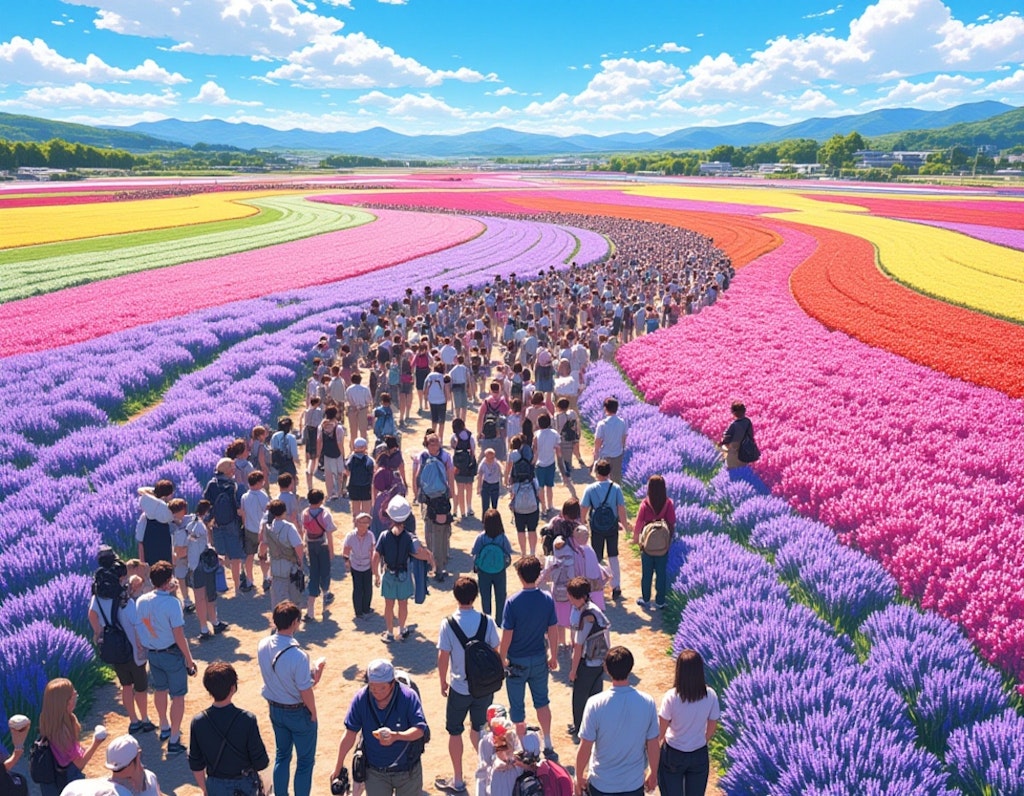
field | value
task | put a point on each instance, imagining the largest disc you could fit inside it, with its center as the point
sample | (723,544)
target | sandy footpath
(349,647)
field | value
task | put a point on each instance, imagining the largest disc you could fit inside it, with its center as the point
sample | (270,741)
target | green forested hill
(1004,131)
(31,128)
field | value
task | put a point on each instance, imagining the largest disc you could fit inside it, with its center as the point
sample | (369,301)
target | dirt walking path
(348,647)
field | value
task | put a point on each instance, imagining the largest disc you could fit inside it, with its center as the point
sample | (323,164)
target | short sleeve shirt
(159,613)
(447,641)
(688,721)
(528,614)
(284,680)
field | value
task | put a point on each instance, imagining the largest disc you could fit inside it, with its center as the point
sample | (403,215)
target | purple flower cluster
(69,475)
(986,758)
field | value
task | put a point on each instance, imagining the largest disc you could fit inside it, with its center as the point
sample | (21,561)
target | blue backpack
(384,421)
(433,477)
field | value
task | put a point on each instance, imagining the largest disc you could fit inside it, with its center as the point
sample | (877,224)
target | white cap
(121,752)
(399,509)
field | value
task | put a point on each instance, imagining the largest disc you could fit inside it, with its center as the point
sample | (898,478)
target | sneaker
(190,607)
(386,637)
(328,598)
(165,733)
(550,754)
(135,727)
(405,633)
(204,636)
(266,584)
(247,587)
(660,606)
(616,594)
(147,725)
(571,729)
(641,602)
(175,748)
(220,627)
(309,618)
(470,513)
(449,785)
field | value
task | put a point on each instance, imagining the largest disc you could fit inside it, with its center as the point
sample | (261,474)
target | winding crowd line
(516,352)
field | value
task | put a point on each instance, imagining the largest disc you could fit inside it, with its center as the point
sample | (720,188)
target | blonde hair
(56,723)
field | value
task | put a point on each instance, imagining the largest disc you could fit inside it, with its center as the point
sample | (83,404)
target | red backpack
(555,780)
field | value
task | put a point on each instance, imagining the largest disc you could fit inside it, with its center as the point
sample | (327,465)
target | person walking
(610,438)
(318,524)
(653,531)
(529,648)
(288,683)
(282,540)
(358,553)
(435,483)
(389,716)
(225,496)
(603,507)
(492,555)
(589,646)
(162,629)
(619,733)
(392,556)
(455,634)
(687,717)
(225,750)
(738,439)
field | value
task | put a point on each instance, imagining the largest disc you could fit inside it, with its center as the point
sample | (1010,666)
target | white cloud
(1013,84)
(82,95)
(212,94)
(826,13)
(672,47)
(345,3)
(36,63)
(393,2)
(215,27)
(940,92)
(811,101)
(504,91)
(624,79)
(357,61)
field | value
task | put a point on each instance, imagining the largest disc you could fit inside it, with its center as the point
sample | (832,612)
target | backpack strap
(273,663)
(607,494)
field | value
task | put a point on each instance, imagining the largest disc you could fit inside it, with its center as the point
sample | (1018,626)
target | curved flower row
(31,226)
(87,311)
(801,712)
(919,470)
(29,271)
(840,286)
(69,477)
(1007,214)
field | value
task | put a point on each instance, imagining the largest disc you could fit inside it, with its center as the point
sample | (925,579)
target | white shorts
(334,466)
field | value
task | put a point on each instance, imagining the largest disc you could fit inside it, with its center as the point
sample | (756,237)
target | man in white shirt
(618,736)
(359,402)
(450,650)
(547,444)
(610,438)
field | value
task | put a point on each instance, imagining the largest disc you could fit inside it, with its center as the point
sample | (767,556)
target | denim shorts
(532,671)
(228,542)
(546,475)
(167,672)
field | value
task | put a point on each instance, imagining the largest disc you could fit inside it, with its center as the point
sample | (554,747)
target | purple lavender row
(949,690)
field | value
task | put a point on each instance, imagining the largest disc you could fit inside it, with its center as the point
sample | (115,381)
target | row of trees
(57,154)
(364,162)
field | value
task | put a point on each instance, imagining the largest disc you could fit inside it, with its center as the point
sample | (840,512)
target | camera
(340,785)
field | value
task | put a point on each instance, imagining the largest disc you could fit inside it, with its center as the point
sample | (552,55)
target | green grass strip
(35,270)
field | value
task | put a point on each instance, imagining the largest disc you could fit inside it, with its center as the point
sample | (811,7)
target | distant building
(715,167)
(876,159)
(38,173)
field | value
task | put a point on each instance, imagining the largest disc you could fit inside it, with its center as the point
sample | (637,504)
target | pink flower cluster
(921,471)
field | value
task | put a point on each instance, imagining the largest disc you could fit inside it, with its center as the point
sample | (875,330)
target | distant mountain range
(496,141)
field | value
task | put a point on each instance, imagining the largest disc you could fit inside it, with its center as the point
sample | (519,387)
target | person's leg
(160,699)
(597,542)
(403,613)
(314,578)
(304,735)
(389,618)
(486,583)
(177,714)
(646,574)
(660,578)
(357,592)
(128,700)
(500,587)
(283,745)
(456,708)
(695,773)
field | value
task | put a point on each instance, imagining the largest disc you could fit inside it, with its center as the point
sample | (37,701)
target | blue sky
(449,66)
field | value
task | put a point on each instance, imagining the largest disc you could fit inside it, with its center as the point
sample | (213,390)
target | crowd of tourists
(516,352)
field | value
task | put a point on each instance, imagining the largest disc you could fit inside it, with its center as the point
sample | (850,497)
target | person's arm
(330,541)
(577,657)
(424,554)
(180,640)
(375,565)
(443,657)
(348,740)
(319,442)
(710,731)
(663,725)
(506,642)
(582,761)
(553,647)
(83,761)
(653,758)
(310,702)
(623,517)
(299,552)
(94,623)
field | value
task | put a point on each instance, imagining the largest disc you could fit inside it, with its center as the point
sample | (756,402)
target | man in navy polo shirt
(390,717)
(528,619)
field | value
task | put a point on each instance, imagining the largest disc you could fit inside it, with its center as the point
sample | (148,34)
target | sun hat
(399,509)
(122,752)
(380,671)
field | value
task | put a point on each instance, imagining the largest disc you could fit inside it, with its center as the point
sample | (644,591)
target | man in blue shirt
(528,618)
(390,717)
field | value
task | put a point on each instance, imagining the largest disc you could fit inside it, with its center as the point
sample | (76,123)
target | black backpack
(569,431)
(603,519)
(225,511)
(528,784)
(42,766)
(462,458)
(106,584)
(522,470)
(491,424)
(361,469)
(485,672)
(115,648)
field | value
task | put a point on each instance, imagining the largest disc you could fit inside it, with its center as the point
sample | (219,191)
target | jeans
(595,792)
(293,727)
(215,786)
(653,567)
(362,590)
(489,496)
(496,582)
(683,773)
(399,783)
(531,671)
(319,569)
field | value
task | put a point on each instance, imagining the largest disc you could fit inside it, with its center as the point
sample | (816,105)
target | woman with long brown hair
(688,717)
(59,725)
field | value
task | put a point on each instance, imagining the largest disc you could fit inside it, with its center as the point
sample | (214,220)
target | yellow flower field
(28,226)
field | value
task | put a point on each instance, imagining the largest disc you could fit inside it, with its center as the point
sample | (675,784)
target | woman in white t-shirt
(688,716)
